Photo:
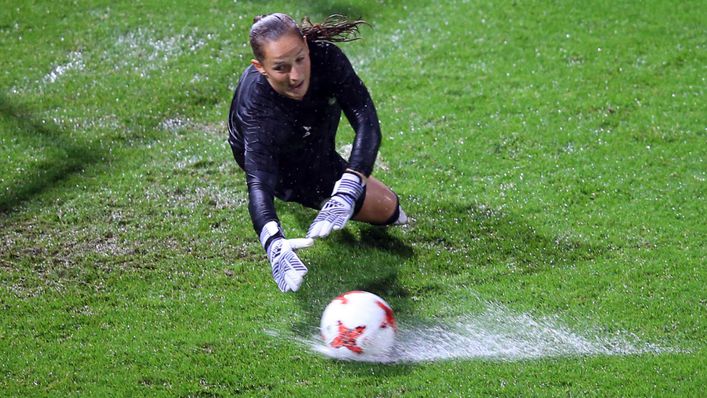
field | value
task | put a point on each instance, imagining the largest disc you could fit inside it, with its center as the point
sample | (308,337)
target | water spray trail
(498,334)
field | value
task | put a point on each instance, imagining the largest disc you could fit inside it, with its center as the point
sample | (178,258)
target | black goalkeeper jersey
(282,143)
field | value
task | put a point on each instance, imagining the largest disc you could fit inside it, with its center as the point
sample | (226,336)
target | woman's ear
(259,66)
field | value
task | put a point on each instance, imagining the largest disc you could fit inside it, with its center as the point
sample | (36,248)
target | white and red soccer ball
(358,325)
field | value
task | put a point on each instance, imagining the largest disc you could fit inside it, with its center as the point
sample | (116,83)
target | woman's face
(286,65)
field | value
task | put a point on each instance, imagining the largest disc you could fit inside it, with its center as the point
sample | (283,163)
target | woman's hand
(287,269)
(337,211)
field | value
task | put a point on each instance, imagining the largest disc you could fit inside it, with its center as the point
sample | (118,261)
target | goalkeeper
(282,125)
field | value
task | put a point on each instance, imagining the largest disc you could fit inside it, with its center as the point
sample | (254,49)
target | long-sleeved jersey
(287,147)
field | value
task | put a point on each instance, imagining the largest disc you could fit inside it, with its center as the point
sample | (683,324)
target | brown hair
(335,28)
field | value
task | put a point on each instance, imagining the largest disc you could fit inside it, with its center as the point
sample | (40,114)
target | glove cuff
(350,185)
(270,232)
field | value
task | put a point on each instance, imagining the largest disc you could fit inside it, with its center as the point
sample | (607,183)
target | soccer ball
(358,325)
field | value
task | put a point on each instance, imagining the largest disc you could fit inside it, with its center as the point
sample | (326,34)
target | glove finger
(282,284)
(295,271)
(326,229)
(316,230)
(301,243)
(279,280)
(284,287)
(294,277)
(293,280)
(313,229)
(339,223)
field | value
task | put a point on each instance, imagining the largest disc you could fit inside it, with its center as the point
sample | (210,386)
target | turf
(551,153)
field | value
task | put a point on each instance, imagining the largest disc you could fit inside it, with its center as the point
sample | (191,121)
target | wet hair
(335,28)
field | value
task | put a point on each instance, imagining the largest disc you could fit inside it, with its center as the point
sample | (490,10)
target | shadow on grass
(359,257)
(493,244)
(63,157)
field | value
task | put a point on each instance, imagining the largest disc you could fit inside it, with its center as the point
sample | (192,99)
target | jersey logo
(307,131)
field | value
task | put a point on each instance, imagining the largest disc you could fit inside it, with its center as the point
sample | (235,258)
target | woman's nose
(295,74)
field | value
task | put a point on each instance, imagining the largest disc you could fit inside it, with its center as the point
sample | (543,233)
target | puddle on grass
(495,334)
(144,50)
(75,63)
(140,51)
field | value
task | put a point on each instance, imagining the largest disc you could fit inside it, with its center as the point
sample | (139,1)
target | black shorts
(309,189)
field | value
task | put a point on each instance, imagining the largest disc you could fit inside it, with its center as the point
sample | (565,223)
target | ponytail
(335,28)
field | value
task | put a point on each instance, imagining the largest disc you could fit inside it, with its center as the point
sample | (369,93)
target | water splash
(496,334)
(345,152)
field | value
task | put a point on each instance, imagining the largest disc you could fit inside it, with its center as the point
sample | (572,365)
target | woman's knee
(381,205)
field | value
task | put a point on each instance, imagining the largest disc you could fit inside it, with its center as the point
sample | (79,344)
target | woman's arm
(359,109)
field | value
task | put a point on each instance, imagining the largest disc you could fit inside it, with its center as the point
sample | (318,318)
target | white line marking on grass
(498,334)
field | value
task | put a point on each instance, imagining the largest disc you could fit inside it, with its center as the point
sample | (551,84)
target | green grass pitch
(551,153)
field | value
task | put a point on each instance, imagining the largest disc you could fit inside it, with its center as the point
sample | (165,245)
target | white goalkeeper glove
(287,269)
(337,211)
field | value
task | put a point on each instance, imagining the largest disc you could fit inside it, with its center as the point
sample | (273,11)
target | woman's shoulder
(325,51)
(249,82)
(254,104)
(253,91)
(329,62)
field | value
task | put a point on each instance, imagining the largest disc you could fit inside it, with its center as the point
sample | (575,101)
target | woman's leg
(380,206)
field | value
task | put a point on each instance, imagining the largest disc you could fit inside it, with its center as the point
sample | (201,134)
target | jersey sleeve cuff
(269,233)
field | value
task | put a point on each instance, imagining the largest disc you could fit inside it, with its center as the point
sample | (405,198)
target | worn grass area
(552,156)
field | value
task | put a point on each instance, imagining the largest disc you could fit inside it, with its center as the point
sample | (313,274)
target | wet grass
(552,156)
